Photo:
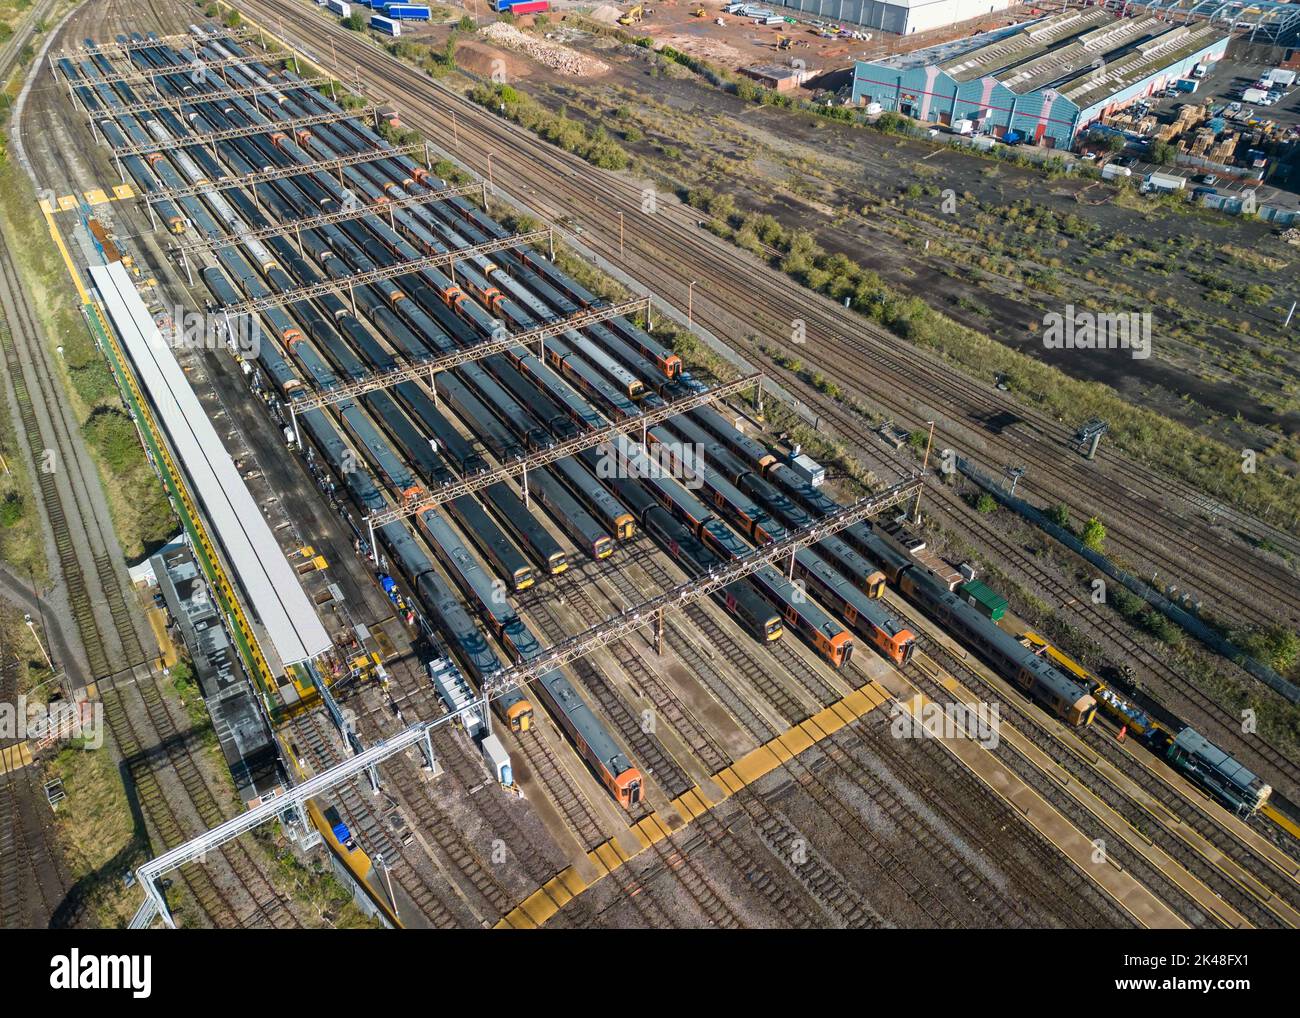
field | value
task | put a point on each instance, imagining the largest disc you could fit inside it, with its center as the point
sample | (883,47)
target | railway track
(849,356)
(158,758)
(839,812)
(790,705)
(468,775)
(837,336)
(318,739)
(1196,853)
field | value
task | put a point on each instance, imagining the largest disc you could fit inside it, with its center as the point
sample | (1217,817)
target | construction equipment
(699,12)
(782,42)
(634,15)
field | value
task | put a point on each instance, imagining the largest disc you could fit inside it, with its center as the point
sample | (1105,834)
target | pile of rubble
(558,58)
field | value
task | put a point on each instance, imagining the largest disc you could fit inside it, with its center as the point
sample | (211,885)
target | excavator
(782,42)
(634,15)
(699,12)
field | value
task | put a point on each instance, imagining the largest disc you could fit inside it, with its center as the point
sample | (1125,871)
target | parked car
(1209,179)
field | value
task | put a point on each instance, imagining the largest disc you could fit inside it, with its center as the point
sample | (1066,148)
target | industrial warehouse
(551,545)
(901,18)
(1044,81)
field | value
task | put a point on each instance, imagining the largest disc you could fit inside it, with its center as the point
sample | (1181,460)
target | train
(624,367)
(1184,748)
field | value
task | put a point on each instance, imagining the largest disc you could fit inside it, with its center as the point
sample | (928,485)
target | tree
(11,509)
(1093,534)
(354,22)
(1059,514)
(1163,153)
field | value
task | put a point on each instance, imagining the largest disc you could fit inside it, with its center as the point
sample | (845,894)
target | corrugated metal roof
(1034,40)
(269,582)
(1146,59)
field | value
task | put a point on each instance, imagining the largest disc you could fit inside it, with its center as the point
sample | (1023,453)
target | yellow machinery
(782,42)
(699,12)
(634,15)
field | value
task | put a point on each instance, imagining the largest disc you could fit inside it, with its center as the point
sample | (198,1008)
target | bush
(113,434)
(1277,646)
(1093,534)
(986,503)
(11,509)
(355,22)
(592,144)
(1060,515)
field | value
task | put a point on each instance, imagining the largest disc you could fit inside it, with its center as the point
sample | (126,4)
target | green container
(986,600)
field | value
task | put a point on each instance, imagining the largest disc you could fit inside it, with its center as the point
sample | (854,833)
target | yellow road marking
(63,250)
(540,906)
(15,758)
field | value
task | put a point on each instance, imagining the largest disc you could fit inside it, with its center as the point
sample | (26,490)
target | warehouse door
(945,119)
(1039,131)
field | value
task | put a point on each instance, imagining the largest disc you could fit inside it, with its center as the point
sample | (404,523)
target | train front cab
(602,547)
(1082,712)
(837,649)
(626,786)
(519,715)
(873,584)
(900,647)
(625,527)
(523,578)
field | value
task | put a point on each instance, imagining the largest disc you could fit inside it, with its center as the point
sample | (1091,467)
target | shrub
(11,509)
(1093,534)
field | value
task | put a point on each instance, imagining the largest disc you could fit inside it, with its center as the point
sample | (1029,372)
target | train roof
(1191,741)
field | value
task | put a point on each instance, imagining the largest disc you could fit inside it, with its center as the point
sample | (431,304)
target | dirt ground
(1020,243)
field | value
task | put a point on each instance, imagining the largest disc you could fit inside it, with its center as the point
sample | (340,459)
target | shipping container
(407,12)
(983,599)
(339,7)
(1164,182)
(386,25)
(498,760)
(1113,170)
(531,7)
(807,468)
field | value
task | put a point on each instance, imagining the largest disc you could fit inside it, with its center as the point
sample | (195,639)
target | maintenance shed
(1042,82)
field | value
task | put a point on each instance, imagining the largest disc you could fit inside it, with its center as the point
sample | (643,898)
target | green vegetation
(11,510)
(986,503)
(1093,534)
(1060,515)
(1143,433)
(590,143)
(355,22)
(1277,646)
(185,685)
(1145,617)
(141,513)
